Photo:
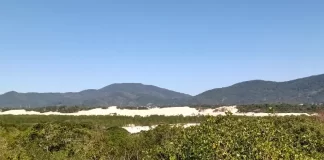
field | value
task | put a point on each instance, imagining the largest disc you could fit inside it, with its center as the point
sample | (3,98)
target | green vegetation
(281,108)
(259,108)
(303,90)
(221,137)
(102,121)
(61,109)
(121,94)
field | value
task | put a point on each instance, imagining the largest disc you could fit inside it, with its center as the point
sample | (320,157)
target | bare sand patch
(169,111)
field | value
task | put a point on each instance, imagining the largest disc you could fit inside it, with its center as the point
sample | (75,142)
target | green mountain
(122,94)
(303,90)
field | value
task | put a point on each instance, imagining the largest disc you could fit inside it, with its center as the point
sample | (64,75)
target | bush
(229,137)
(221,137)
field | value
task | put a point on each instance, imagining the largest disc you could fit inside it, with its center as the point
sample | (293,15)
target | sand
(170,111)
(137,129)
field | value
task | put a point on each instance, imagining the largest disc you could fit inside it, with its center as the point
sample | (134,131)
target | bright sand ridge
(170,111)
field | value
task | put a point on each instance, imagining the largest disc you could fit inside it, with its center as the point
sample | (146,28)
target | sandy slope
(171,111)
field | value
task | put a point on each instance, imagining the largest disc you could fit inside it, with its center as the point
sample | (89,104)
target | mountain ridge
(125,94)
(302,90)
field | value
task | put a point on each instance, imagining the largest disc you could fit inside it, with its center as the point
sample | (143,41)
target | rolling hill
(303,90)
(122,94)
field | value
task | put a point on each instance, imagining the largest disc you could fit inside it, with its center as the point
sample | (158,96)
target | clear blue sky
(183,45)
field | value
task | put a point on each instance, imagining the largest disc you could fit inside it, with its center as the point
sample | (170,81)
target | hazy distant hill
(304,90)
(123,94)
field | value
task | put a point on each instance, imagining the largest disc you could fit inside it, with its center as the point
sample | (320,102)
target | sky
(184,45)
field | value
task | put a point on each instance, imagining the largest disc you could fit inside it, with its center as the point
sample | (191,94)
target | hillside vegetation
(121,94)
(222,137)
(305,90)
(280,108)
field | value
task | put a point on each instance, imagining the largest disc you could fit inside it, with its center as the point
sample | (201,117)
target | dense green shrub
(281,108)
(232,137)
(221,137)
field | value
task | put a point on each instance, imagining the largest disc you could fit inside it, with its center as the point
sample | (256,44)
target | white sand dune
(170,111)
(137,129)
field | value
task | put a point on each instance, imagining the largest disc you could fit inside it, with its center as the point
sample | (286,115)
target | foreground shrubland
(221,137)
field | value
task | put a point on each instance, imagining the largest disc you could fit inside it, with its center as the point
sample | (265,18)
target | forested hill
(122,94)
(303,90)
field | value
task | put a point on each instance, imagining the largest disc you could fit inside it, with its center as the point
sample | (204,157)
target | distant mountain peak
(302,90)
(120,94)
(10,93)
(122,84)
